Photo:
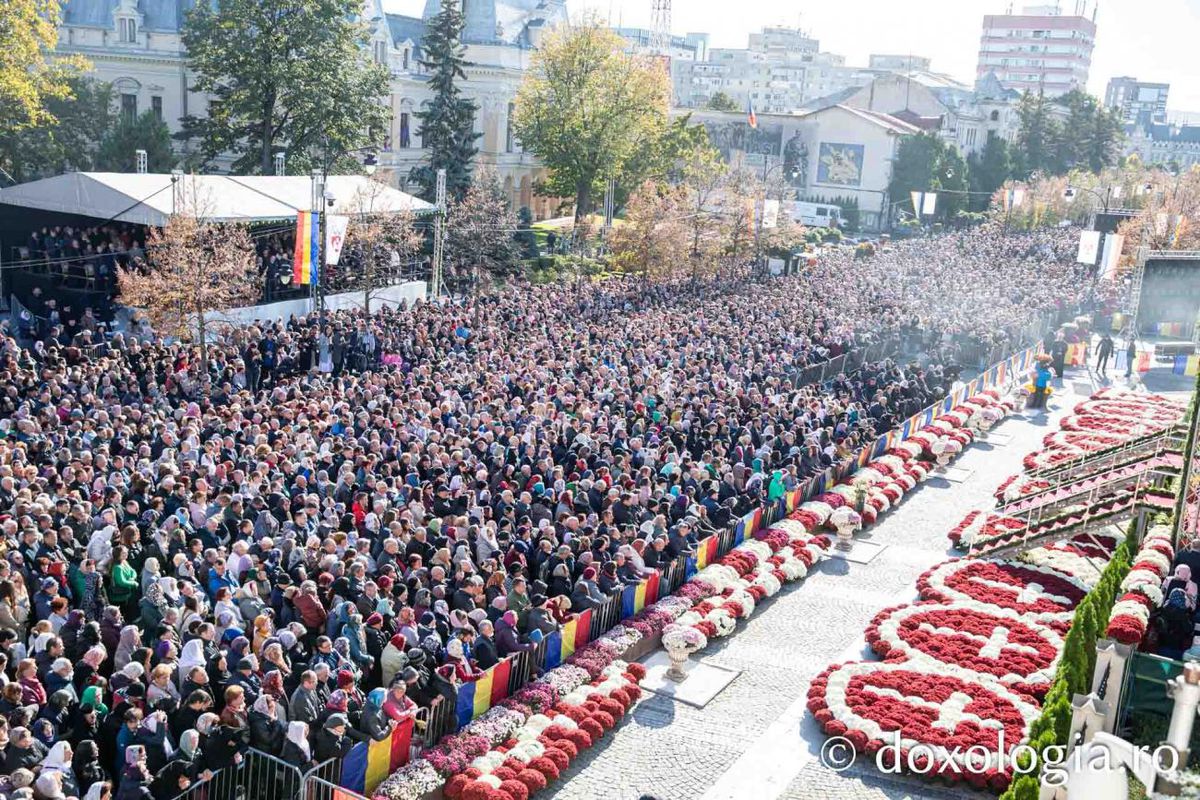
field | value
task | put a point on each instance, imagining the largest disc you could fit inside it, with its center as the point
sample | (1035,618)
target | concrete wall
(404,294)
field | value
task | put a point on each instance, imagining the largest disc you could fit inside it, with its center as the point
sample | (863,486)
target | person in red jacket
(308,606)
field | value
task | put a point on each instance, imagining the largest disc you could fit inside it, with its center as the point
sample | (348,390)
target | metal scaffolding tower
(660,28)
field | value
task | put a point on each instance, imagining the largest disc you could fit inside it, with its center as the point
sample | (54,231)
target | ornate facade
(136,46)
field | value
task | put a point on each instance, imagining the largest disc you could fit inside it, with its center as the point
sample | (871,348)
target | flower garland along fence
(1142,587)
(514,749)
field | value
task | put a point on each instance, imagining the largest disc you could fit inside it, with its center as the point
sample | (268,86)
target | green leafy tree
(1036,136)
(987,171)
(526,239)
(66,140)
(118,150)
(721,102)
(447,124)
(924,163)
(587,108)
(287,75)
(29,78)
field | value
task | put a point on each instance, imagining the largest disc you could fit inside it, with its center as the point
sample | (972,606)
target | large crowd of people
(326,525)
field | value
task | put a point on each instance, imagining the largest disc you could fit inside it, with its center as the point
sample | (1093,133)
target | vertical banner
(1114,243)
(336,226)
(1089,247)
(583,631)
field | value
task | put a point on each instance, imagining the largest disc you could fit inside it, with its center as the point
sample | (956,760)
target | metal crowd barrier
(259,776)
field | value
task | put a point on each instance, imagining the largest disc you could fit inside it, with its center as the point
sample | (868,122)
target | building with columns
(136,46)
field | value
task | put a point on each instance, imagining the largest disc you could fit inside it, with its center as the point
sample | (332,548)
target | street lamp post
(762,205)
(322,200)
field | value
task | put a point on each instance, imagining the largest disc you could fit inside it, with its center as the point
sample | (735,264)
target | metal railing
(258,776)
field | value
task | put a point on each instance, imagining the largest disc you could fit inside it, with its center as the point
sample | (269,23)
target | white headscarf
(192,656)
(58,758)
(297,734)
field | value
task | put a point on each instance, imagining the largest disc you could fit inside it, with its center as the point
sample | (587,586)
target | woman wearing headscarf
(69,633)
(131,639)
(296,748)
(94,696)
(273,686)
(87,670)
(1182,579)
(261,631)
(135,779)
(85,764)
(191,657)
(356,639)
(266,730)
(507,638)
(59,760)
(153,606)
(394,658)
(154,737)
(181,770)
(1173,625)
(464,670)
(49,786)
(375,722)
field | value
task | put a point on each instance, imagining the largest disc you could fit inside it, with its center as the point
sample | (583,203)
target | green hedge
(1078,662)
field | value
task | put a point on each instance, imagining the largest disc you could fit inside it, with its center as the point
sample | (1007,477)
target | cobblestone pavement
(755,739)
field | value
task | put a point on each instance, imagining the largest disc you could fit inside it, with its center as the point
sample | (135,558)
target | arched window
(995,116)
(127,30)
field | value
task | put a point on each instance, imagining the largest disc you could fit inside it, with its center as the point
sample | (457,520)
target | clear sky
(1153,40)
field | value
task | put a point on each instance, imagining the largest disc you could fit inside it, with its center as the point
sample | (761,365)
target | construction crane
(660,28)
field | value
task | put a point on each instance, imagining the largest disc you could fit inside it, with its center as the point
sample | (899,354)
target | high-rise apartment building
(1039,49)
(1139,103)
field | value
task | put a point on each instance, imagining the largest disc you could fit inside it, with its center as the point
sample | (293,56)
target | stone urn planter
(680,641)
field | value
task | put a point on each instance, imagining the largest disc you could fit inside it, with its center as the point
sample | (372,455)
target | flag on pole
(304,264)
(751,117)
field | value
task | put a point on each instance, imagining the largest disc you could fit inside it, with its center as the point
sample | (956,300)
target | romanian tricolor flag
(706,552)
(304,264)
(368,763)
(561,644)
(478,696)
(634,598)
(751,117)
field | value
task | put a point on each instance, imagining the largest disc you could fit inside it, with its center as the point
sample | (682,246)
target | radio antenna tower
(660,27)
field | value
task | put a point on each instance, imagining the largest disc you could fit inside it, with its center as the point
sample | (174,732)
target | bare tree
(378,245)
(479,230)
(653,240)
(197,269)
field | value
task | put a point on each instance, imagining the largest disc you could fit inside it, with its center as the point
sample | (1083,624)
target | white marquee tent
(149,199)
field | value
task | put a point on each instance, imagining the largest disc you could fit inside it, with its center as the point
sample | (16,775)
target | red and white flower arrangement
(1142,588)
(896,706)
(967,638)
(1040,594)
(981,526)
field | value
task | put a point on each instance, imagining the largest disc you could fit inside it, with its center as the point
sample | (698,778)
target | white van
(819,215)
